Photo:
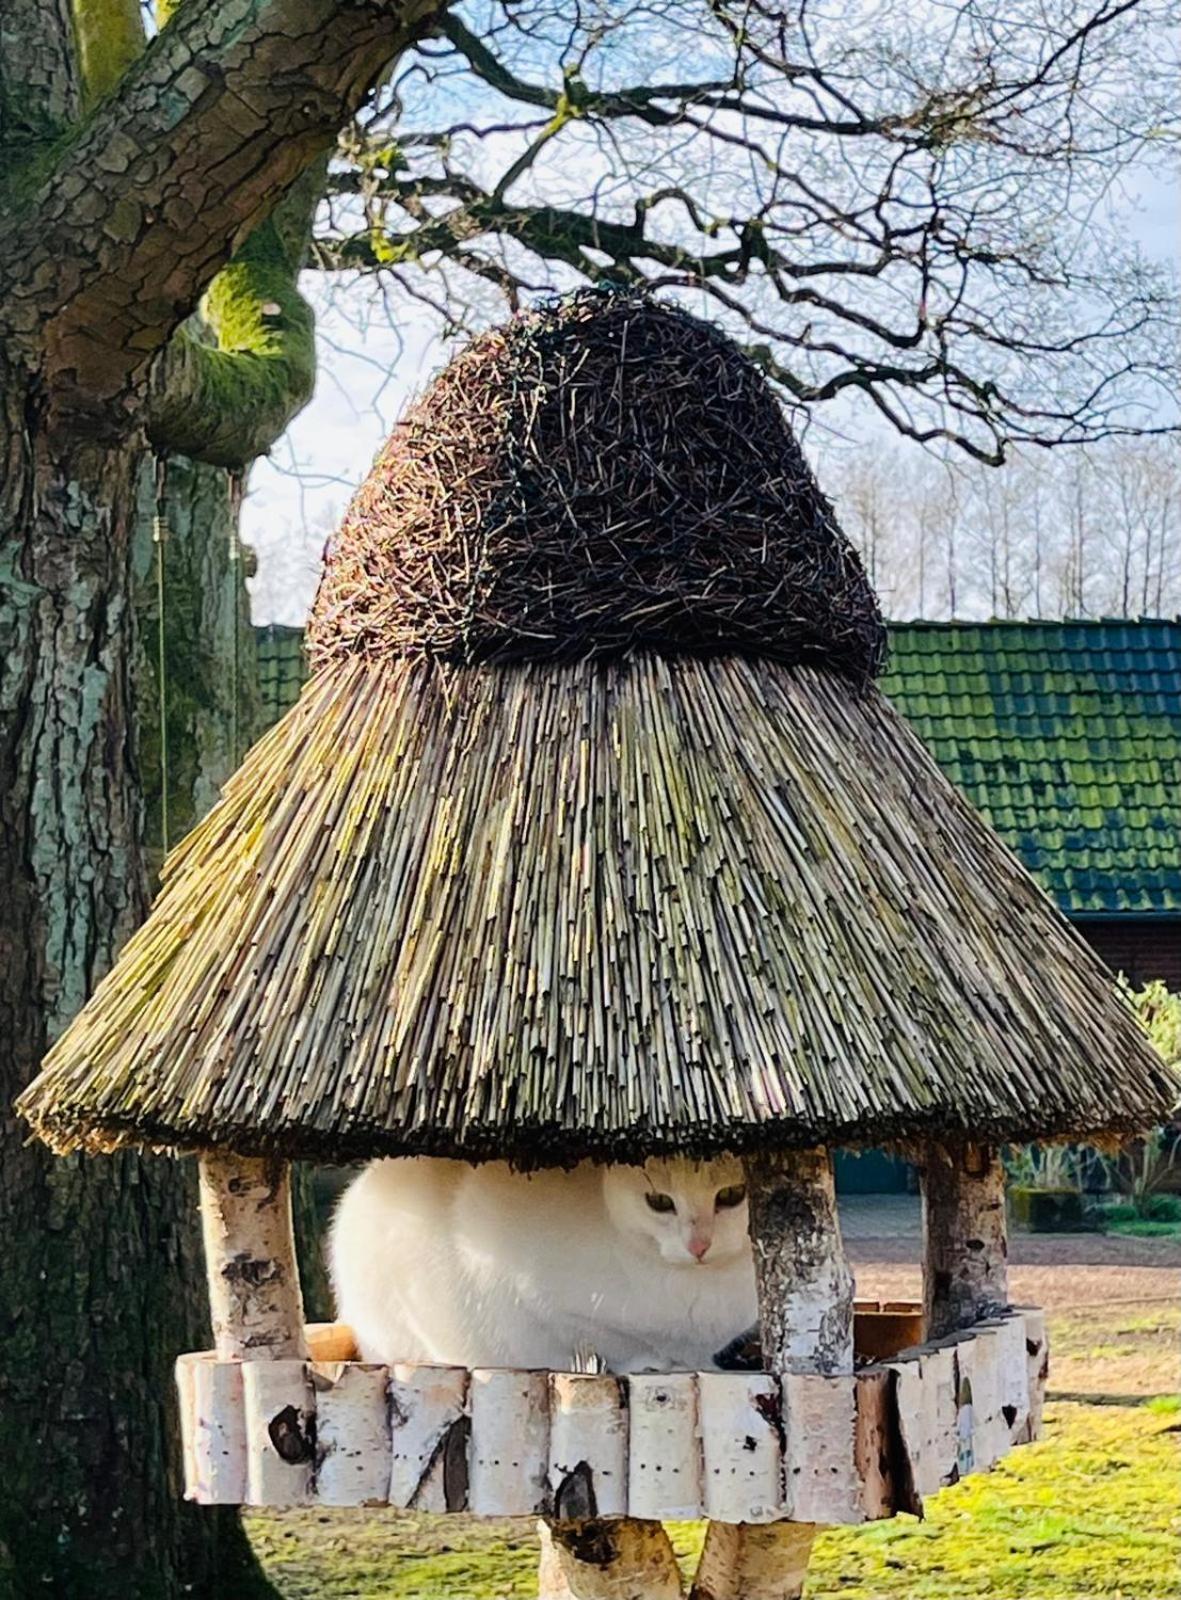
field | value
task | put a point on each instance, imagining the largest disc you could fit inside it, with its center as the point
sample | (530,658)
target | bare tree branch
(918,215)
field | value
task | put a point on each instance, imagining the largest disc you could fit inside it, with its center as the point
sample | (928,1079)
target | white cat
(648,1267)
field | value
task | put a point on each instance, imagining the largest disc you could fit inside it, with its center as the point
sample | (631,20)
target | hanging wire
(159,538)
(235,488)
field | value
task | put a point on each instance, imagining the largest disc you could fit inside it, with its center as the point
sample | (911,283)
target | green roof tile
(1068,739)
(1066,735)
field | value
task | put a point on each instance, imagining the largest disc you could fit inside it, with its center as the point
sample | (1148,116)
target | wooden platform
(734,1447)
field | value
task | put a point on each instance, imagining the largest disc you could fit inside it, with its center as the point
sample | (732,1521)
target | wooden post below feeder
(805,1294)
(965,1247)
(254,1296)
(622,1559)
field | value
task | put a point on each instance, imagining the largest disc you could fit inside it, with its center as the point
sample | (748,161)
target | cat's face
(692,1212)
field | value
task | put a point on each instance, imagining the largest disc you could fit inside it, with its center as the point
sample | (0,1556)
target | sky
(371,362)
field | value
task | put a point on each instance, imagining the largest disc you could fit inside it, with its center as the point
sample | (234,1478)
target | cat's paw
(587,1359)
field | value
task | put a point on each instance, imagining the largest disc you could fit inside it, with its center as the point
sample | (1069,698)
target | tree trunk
(100,1273)
(210,677)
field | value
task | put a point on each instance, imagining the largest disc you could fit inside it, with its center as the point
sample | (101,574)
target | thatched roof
(693,891)
(604,474)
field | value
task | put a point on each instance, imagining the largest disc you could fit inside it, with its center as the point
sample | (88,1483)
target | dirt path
(1058,1271)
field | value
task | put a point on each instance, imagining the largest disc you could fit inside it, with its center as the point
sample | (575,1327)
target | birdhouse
(592,838)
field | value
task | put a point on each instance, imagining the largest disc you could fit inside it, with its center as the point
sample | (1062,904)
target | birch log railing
(739,1448)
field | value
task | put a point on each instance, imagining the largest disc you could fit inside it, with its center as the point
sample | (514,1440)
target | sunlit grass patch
(1092,1511)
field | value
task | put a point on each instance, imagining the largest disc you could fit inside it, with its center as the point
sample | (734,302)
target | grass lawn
(1092,1512)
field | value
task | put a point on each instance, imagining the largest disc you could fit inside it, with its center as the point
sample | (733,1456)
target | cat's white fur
(437,1261)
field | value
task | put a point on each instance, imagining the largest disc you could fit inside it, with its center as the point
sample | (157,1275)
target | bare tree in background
(1088,532)
(902,204)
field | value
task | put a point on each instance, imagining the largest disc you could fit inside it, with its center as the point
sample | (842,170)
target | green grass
(1092,1511)
(1144,1228)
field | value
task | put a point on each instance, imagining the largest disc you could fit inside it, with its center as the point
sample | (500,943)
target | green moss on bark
(109,35)
(228,385)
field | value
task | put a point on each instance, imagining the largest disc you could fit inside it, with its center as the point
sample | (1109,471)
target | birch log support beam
(743,1561)
(805,1294)
(254,1295)
(965,1246)
(583,1556)
(804,1284)
(625,1559)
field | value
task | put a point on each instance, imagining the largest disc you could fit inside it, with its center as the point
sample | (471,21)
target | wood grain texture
(624,1559)
(752,1563)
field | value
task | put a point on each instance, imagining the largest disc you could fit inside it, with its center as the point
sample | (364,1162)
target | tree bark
(805,1294)
(100,1280)
(254,1295)
(624,1559)
(965,1243)
(210,665)
(804,1284)
(741,1561)
(154,191)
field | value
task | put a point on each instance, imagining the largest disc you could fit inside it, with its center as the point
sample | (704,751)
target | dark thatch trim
(548,911)
(602,475)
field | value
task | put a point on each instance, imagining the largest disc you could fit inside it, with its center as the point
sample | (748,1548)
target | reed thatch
(602,474)
(548,910)
(590,836)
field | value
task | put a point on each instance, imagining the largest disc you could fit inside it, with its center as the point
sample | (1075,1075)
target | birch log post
(804,1284)
(626,1559)
(583,1556)
(254,1295)
(746,1561)
(805,1294)
(965,1247)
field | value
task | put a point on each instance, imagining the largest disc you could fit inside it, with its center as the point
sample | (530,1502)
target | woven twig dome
(601,475)
(542,873)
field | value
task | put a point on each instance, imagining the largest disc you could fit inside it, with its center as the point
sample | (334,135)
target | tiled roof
(1066,735)
(282,668)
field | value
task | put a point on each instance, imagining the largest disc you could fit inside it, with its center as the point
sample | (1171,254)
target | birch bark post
(624,1559)
(965,1243)
(805,1294)
(254,1294)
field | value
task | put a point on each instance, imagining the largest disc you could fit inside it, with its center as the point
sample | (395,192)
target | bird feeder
(591,838)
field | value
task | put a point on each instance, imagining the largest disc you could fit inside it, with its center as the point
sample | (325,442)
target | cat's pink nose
(698,1247)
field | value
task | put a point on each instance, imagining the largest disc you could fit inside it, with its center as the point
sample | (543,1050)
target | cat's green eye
(733,1195)
(660,1202)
